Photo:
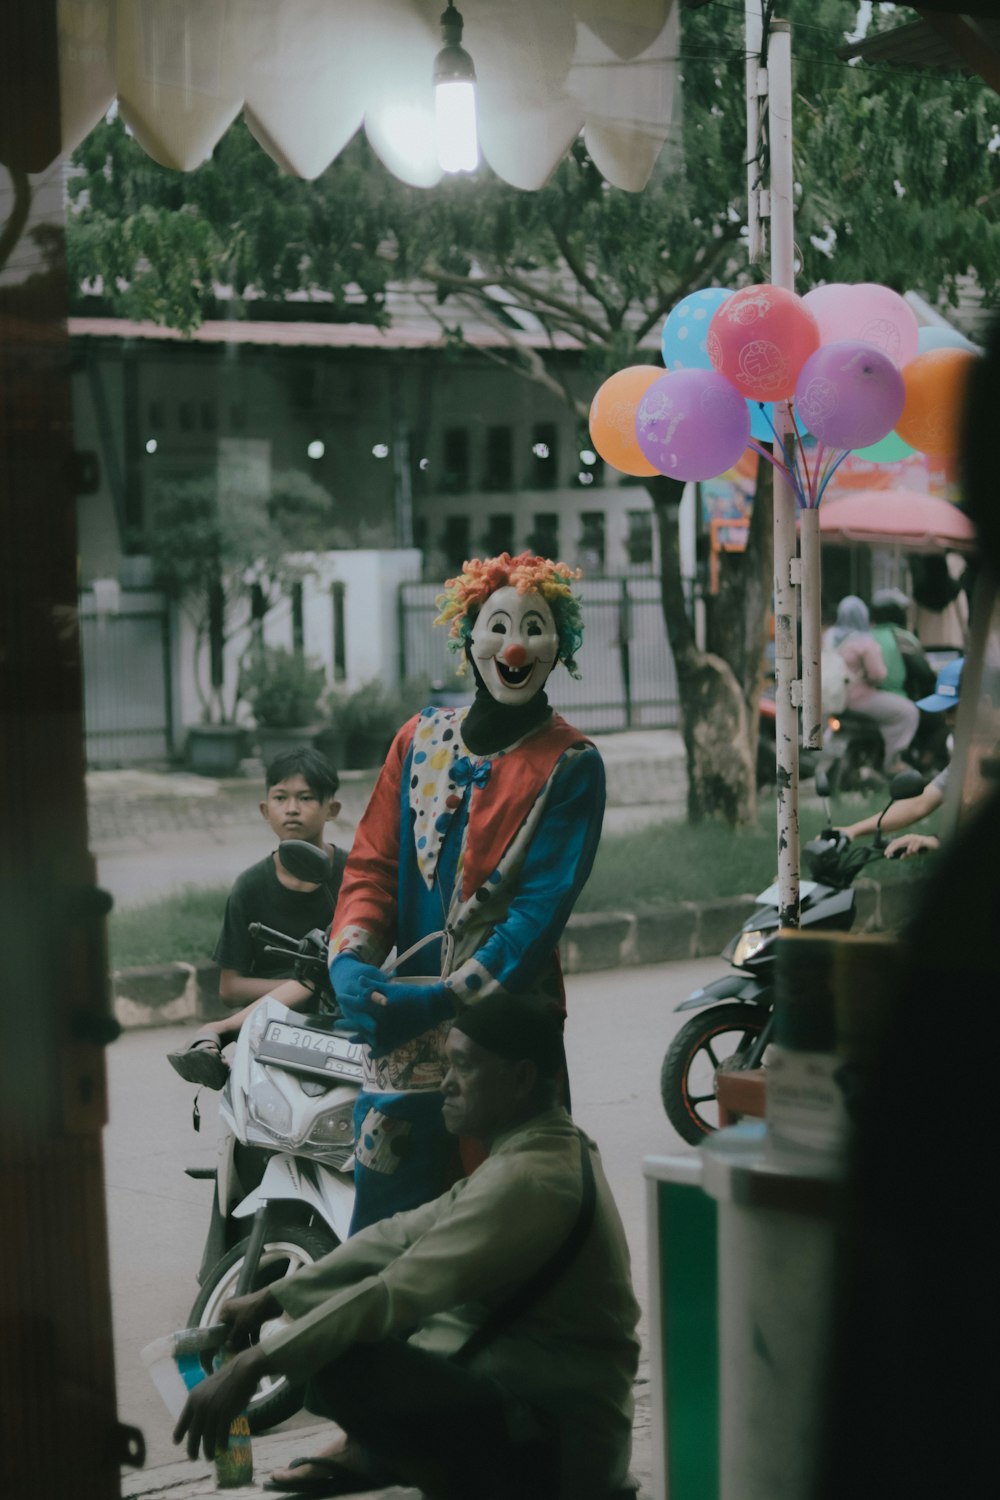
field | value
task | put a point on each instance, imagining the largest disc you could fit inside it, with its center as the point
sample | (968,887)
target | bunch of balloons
(857,371)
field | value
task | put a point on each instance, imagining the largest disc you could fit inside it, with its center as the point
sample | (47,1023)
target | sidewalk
(185,1480)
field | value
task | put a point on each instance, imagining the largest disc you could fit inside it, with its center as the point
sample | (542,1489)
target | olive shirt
(442,1268)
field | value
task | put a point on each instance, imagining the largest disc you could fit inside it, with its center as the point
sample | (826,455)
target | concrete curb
(172,994)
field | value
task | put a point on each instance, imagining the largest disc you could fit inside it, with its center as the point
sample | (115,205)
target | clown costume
(479,835)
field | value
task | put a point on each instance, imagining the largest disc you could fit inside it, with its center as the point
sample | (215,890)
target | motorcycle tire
(288,1247)
(694,1056)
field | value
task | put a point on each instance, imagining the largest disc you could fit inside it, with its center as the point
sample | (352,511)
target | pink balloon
(869,312)
(849,394)
(760,338)
(692,424)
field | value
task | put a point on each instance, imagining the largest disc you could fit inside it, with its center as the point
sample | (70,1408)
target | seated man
(485,1343)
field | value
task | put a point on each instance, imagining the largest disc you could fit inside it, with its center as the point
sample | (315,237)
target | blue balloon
(942,338)
(760,426)
(686,329)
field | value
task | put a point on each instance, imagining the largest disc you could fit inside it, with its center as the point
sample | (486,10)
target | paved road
(620,1024)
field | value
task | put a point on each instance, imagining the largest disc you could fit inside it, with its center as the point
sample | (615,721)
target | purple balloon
(849,394)
(692,424)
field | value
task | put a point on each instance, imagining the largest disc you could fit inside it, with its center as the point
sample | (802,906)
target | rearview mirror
(822,781)
(305,861)
(906,784)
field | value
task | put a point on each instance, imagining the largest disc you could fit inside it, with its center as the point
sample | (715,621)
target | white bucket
(179,1361)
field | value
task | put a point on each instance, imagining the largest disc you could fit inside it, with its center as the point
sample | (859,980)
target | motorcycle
(284,1178)
(737,1011)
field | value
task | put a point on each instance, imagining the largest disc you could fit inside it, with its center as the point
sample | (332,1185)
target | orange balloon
(612,419)
(935,398)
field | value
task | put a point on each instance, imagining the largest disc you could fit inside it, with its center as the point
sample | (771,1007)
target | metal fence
(126,679)
(628,679)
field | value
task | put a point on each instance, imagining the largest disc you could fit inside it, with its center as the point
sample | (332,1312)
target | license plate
(310,1051)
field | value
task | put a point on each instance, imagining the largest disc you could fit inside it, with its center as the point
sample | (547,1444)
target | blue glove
(353,982)
(411,1010)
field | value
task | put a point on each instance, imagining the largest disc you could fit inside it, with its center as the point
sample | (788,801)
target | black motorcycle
(736,1020)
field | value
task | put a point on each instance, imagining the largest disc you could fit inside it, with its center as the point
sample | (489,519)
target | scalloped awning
(308,73)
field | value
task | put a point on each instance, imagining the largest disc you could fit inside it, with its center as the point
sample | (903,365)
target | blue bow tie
(466,771)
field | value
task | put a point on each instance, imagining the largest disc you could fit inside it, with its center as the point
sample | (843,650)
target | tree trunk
(718,688)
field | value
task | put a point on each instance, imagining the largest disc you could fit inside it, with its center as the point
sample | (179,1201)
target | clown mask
(514,644)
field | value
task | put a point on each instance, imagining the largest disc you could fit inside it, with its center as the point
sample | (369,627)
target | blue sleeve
(555,870)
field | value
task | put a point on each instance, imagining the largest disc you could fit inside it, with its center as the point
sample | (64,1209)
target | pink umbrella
(896,518)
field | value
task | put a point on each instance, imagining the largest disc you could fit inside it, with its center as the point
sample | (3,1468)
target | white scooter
(284,1179)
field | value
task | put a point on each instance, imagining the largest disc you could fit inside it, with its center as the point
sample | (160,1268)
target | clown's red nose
(515,656)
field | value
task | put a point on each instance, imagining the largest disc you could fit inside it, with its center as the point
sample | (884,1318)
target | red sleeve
(368,890)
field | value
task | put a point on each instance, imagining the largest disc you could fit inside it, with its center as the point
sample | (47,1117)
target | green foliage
(670,862)
(582,257)
(213,539)
(656,866)
(366,720)
(282,688)
(180,928)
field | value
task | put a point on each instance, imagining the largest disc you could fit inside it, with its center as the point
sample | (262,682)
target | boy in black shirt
(301,787)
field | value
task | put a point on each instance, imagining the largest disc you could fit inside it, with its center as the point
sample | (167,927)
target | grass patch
(656,866)
(670,862)
(183,927)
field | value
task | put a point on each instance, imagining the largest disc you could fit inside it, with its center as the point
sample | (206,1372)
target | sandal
(339,1478)
(201,1062)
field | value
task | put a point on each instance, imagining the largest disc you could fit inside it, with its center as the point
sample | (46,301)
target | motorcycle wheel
(687,1078)
(288,1247)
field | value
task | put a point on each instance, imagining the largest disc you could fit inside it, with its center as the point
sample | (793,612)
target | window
(338,591)
(544,456)
(455,477)
(298,619)
(639,541)
(499,473)
(499,535)
(591,545)
(544,537)
(455,541)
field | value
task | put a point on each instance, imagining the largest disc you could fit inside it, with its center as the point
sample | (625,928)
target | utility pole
(769,121)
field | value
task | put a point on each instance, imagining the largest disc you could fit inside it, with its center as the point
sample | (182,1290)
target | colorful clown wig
(465,596)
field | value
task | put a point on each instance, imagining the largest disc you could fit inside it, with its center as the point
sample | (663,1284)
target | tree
(214,545)
(911,207)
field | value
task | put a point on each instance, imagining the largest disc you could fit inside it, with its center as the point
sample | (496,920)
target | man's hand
(245,1316)
(352,981)
(910,844)
(211,1406)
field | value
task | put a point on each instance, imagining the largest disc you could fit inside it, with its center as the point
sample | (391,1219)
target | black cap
(516,1027)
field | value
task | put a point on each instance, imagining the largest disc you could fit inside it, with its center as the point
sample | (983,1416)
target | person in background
(896,717)
(943,702)
(300,800)
(941,605)
(908,672)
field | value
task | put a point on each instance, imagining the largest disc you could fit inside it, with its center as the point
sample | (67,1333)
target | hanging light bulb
(455,99)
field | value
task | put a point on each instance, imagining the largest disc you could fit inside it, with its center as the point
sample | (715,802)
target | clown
(479,835)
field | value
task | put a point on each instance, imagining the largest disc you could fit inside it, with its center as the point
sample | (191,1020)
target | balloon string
(846,454)
(790,468)
(793,478)
(800,449)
